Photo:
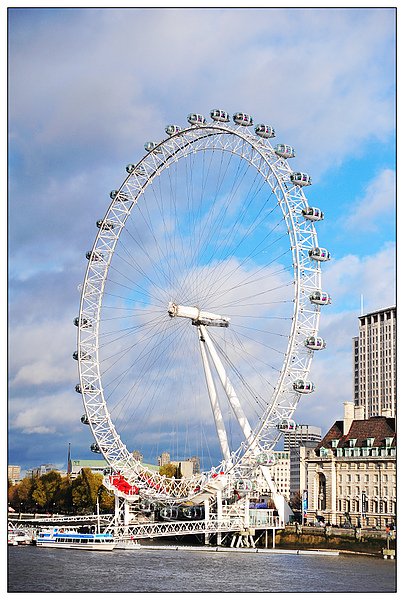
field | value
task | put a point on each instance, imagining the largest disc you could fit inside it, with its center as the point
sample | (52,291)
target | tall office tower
(300,435)
(374,363)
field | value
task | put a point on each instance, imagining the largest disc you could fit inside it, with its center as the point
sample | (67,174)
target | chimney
(359,413)
(349,410)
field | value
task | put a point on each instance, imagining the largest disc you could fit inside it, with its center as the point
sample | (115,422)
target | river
(32,569)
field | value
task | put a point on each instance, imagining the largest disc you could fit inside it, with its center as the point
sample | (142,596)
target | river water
(32,569)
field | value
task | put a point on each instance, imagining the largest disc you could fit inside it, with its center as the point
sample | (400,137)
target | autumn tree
(21,495)
(85,489)
(170,470)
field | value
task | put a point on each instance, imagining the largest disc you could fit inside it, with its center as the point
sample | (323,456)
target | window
(369,442)
(352,443)
(334,443)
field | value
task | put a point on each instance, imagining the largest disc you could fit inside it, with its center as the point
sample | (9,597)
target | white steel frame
(276,172)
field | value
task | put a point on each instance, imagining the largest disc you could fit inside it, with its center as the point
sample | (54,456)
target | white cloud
(373,276)
(378,203)
(346,279)
(88,88)
(48,413)
(319,76)
(41,354)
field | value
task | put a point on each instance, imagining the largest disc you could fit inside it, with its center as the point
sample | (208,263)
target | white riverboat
(18,537)
(64,538)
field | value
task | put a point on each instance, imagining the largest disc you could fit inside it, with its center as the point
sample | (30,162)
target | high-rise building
(374,363)
(300,435)
(298,467)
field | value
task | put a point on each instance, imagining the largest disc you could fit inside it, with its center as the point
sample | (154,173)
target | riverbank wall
(332,538)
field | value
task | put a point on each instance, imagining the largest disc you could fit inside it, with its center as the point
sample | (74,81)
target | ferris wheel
(199,312)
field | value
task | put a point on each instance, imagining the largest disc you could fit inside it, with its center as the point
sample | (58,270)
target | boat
(18,537)
(65,538)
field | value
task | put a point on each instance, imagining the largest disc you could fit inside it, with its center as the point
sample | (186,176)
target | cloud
(377,205)
(87,88)
(50,413)
(90,88)
(373,276)
(346,279)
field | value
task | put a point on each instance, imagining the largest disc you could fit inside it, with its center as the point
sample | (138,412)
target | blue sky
(87,88)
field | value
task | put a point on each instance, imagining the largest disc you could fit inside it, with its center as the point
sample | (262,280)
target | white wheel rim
(290,200)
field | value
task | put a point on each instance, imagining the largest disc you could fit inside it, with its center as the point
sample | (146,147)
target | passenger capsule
(152,147)
(95,448)
(313,214)
(172,129)
(300,179)
(84,420)
(220,115)
(137,170)
(105,225)
(303,387)
(265,458)
(85,323)
(244,485)
(287,425)
(284,150)
(86,388)
(195,119)
(319,254)
(94,255)
(243,119)
(83,355)
(265,131)
(319,297)
(116,195)
(314,343)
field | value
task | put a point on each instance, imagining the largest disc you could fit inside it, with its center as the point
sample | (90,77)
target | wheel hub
(197,316)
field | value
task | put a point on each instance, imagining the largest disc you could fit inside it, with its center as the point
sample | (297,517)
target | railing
(42,519)
(161,529)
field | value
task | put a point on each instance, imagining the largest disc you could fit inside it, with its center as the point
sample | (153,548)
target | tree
(21,499)
(85,490)
(63,496)
(169,470)
(296,501)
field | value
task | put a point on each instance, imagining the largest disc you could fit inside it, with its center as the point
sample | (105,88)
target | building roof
(92,463)
(376,312)
(102,464)
(378,428)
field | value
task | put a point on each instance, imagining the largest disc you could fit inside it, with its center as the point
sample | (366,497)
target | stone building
(352,472)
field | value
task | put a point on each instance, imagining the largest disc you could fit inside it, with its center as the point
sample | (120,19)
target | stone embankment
(365,541)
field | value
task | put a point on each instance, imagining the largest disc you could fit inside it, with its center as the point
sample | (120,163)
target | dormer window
(389,441)
(323,451)
(352,443)
(334,443)
(369,442)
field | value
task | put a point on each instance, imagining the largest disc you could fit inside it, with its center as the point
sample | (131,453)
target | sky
(88,87)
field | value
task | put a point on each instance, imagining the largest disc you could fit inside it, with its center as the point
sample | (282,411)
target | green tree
(21,499)
(169,470)
(107,501)
(63,496)
(296,501)
(39,493)
(85,490)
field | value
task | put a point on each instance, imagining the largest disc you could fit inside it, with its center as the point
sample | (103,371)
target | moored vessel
(64,538)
